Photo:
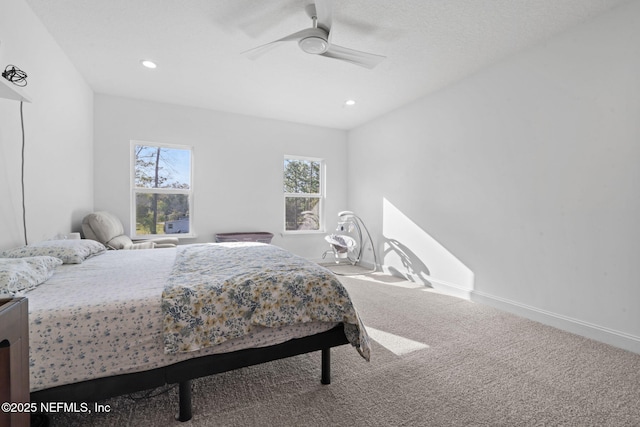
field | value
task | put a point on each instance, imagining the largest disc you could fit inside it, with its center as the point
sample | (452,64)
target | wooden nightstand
(14,359)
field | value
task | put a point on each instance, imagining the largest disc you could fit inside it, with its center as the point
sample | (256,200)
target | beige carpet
(436,361)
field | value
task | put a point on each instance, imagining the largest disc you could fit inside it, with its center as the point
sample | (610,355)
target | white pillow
(72,251)
(19,275)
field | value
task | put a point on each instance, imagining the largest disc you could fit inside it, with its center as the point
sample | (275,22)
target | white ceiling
(197,44)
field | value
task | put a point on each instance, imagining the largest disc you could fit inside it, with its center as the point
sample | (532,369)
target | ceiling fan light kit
(314,45)
(315,40)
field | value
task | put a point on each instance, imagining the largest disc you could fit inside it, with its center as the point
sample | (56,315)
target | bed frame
(182,373)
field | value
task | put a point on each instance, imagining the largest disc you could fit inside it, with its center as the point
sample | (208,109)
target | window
(303,194)
(162,191)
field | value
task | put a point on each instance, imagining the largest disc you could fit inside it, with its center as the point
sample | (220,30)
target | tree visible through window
(161,189)
(302,194)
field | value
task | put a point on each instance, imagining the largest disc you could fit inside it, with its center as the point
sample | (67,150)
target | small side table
(14,359)
(251,236)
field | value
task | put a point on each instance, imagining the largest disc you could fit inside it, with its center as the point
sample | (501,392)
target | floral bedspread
(217,292)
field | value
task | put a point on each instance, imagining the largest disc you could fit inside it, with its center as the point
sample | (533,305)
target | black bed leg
(326,366)
(184,393)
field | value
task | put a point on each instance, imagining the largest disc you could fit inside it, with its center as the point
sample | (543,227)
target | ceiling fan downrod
(317,40)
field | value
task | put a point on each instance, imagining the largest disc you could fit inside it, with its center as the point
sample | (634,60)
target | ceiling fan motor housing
(315,41)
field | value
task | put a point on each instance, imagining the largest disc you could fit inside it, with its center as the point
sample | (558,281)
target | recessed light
(349,102)
(148,64)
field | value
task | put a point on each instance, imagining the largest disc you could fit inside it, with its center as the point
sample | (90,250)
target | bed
(115,322)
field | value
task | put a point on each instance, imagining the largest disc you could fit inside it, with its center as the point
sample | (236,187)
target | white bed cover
(103,318)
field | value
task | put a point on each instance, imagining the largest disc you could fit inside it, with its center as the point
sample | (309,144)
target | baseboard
(450,288)
(589,330)
(443,286)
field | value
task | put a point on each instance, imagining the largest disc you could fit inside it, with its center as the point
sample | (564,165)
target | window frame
(321,195)
(138,190)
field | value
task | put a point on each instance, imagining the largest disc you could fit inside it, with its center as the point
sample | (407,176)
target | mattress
(103,318)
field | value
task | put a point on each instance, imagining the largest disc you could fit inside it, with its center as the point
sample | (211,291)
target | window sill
(179,236)
(301,233)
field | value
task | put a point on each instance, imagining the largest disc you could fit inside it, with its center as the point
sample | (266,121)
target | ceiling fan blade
(363,59)
(324,13)
(256,52)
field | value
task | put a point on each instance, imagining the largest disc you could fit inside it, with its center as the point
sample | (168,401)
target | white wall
(58,133)
(237,166)
(520,185)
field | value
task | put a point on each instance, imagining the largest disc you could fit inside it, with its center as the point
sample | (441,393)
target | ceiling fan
(317,40)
